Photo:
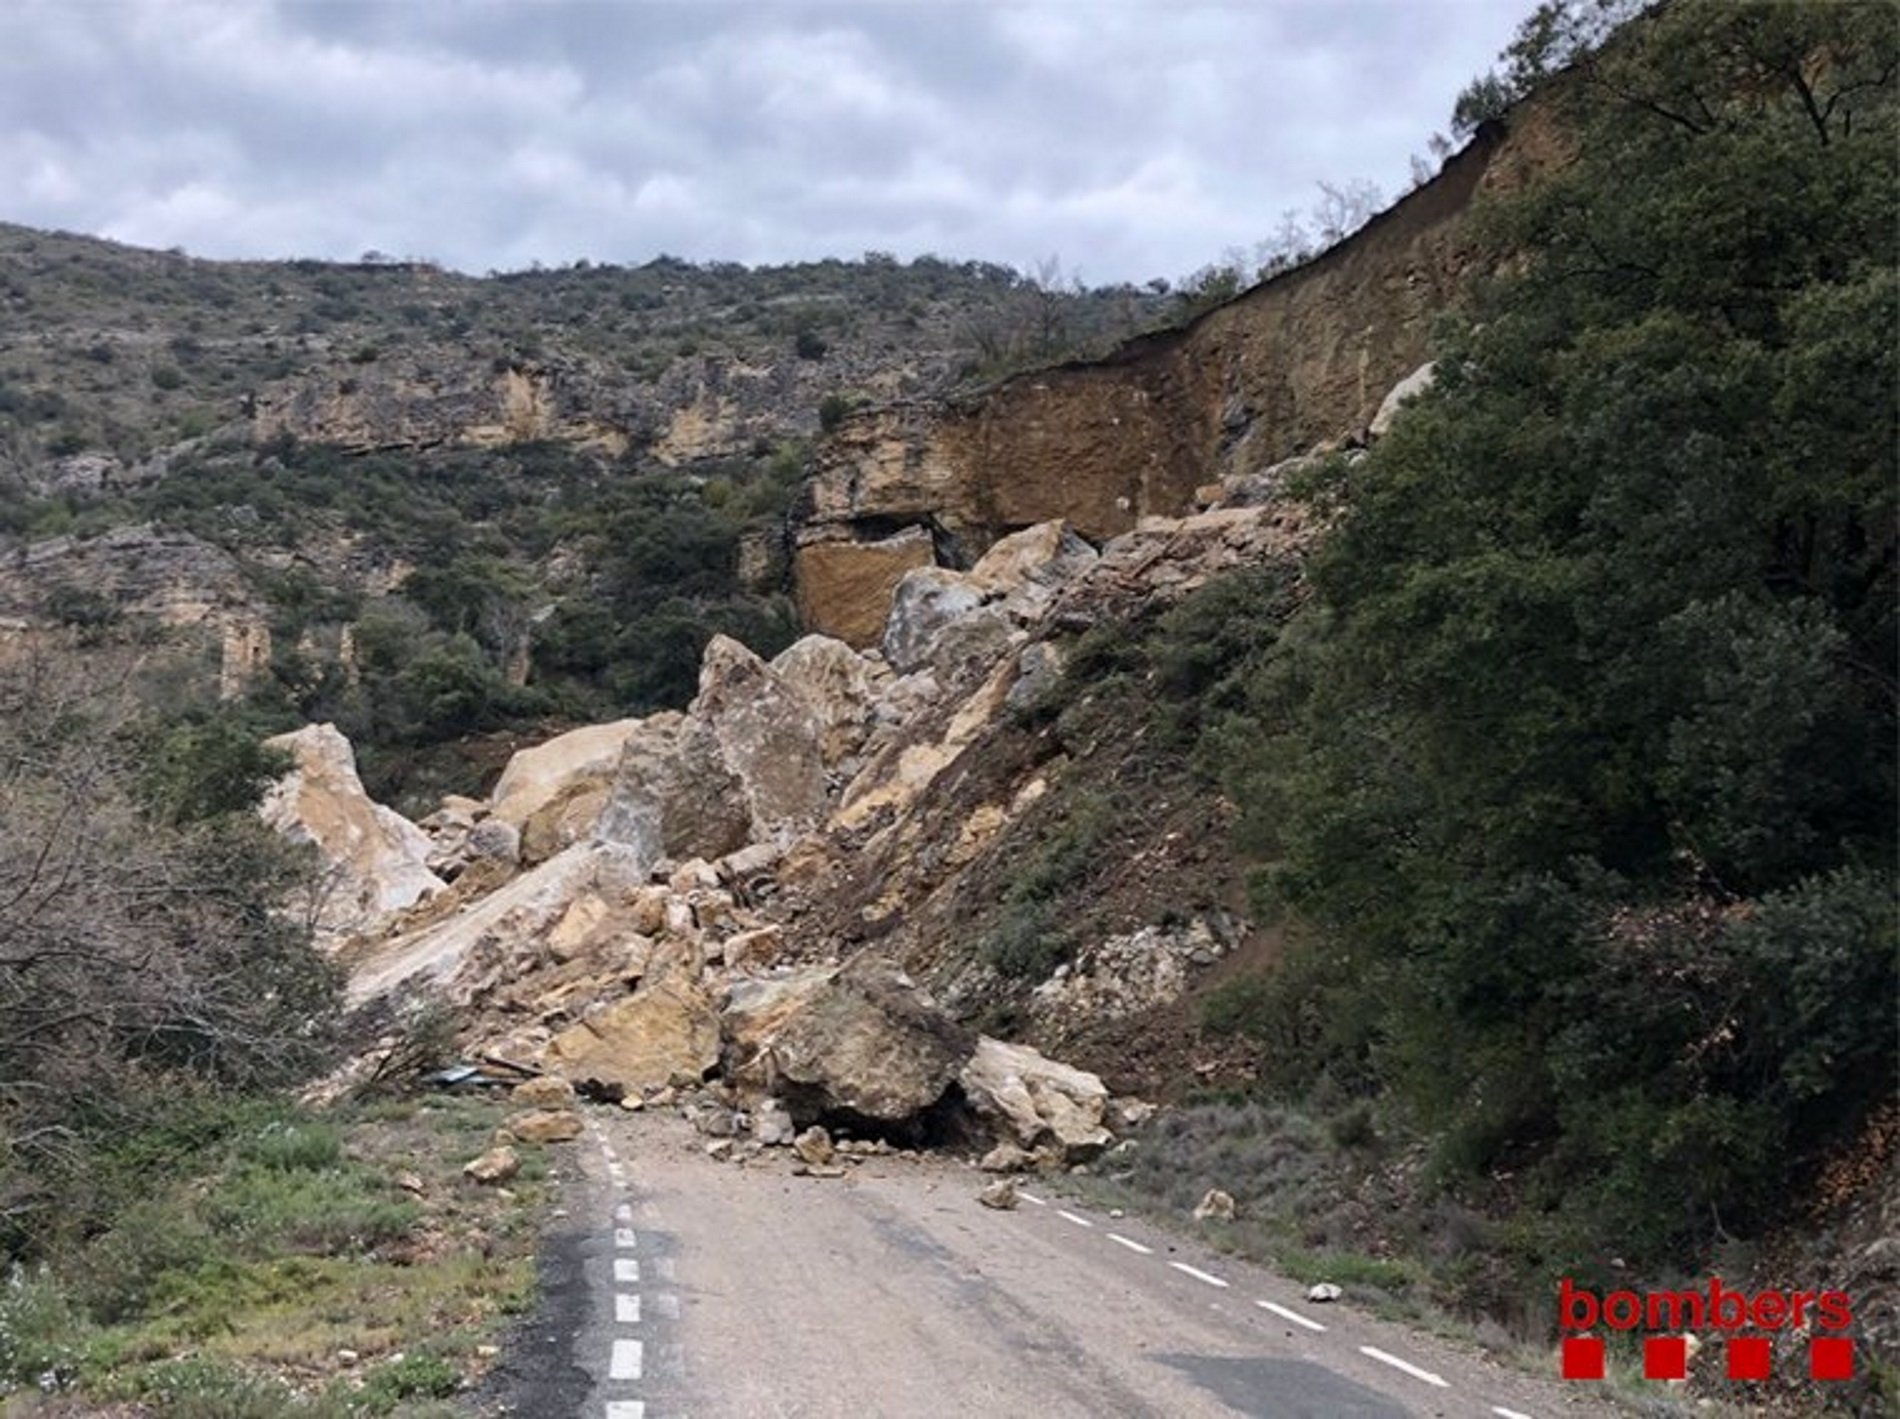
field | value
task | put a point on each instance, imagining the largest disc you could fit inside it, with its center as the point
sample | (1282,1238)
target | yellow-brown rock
(548,1091)
(667,1028)
(546,1126)
(844,587)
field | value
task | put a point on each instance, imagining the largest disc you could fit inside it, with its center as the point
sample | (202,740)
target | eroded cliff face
(1298,363)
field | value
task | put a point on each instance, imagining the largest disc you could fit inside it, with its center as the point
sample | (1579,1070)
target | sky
(1121,139)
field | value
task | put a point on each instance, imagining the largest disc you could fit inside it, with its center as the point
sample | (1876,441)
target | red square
(1831,1357)
(1583,1357)
(1749,1357)
(1665,1357)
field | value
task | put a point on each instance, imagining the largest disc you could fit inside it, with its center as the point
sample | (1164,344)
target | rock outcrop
(374,861)
(1301,361)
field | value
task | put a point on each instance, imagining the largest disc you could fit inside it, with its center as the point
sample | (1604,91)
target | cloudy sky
(1128,138)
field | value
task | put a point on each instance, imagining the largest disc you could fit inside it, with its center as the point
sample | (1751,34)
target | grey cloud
(1131,138)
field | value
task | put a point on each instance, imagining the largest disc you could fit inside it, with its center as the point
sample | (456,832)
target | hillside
(537,493)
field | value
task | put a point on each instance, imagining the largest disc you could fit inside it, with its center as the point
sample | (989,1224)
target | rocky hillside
(652,903)
(548,487)
(1298,363)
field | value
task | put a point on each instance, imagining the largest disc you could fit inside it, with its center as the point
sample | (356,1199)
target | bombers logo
(1718,1307)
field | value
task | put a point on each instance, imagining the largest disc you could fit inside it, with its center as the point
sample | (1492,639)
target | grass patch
(313,1266)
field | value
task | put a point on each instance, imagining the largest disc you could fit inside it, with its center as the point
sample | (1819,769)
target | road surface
(683,1287)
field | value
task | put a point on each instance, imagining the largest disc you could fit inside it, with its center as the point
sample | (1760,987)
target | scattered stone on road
(1000,1195)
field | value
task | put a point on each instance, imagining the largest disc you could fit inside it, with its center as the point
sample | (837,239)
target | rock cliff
(1298,363)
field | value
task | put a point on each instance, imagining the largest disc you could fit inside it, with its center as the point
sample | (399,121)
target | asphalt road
(688,1287)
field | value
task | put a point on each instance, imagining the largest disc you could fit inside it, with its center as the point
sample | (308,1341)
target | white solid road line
(629,1359)
(1120,1240)
(626,1308)
(1035,1201)
(626,1409)
(625,1238)
(1396,1363)
(1293,1316)
(1197,1274)
(1071,1217)
(626,1269)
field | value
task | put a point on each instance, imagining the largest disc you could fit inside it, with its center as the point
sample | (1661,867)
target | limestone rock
(546,1126)
(1025,567)
(772,1124)
(1413,385)
(766,735)
(744,766)
(559,770)
(1000,1195)
(844,587)
(1323,1292)
(861,1040)
(1006,1158)
(374,860)
(1035,1100)
(838,685)
(940,620)
(1216,1206)
(497,1165)
(666,1028)
(813,1147)
(754,950)
(549,1091)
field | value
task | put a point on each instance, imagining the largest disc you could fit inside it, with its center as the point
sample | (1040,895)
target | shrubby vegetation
(144,965)
(1573,774)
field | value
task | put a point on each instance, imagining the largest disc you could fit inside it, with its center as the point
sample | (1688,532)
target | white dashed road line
(1198,1274)
(1284,1312)
(626,1268)
(626,1409)
(625,1239)
(1293,1316)
(628,1361)
(626,1308)
(1405,1366)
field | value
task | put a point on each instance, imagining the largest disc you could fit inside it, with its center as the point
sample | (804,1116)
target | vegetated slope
(427,505)
(1566,769)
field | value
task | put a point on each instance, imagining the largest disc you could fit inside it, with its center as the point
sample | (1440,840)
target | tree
(142,952)
(1599,673)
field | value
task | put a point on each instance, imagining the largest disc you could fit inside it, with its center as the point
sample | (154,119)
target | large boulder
(665,1030)
(1035,559)
(844,588)
(1034,1101)
(672,796)
(838,685)
(553,793)
(374,860)
(928,606)
(1406,390)
(746,765)
(766,734)
(858,1042)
